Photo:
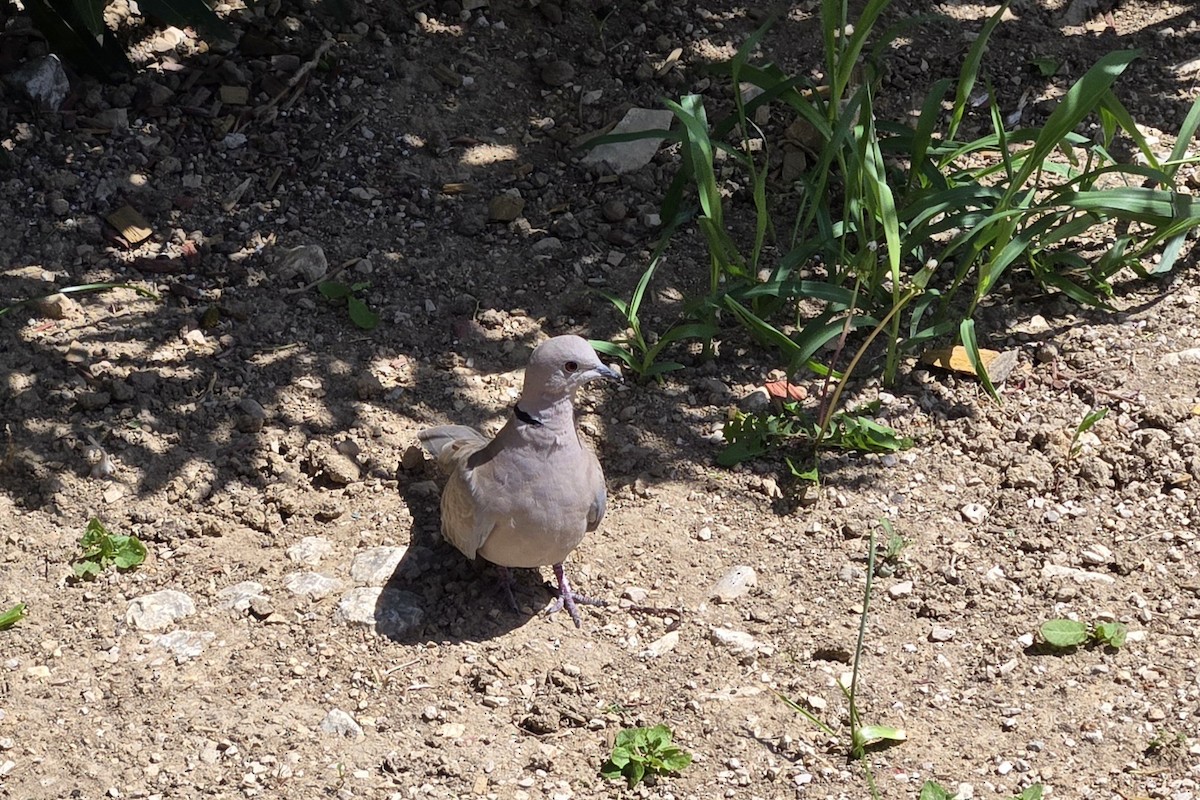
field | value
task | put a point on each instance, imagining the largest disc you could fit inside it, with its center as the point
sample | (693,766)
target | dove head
(559,366)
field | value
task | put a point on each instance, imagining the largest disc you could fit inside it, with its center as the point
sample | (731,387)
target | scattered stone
(901,589)
(413,458)
(340,723)
(1051,571)
(613,211)
(251,415)
(313,585)
(452,730)
(367,386)
(506,207)
(56,306)
(974,513)
(239,595)
(625,157)
(339,468)
(1097,555)
(738,642)
(558,73)
(1191,356)
(59,207)
(757,400)
(43,80)
(184,645)
(734,584)
(663,644)
(635,594)
(310,550)
(158,610)
(566,226)
(391,612)
(940,634)
(375,566)
(115,119)
(306,261)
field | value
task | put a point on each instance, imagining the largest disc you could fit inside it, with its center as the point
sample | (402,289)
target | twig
(299,75)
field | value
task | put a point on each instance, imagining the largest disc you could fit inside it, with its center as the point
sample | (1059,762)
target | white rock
(308,261)
(158,610)
(901,589)
(737,641)
(375,566)
(240,595)
(628,156)
(1050,571)
(1190,356)
(1097,555)
(663,644)
(311,584)
(310,550)
(973,513)
(734,584)
(341,723)
(391,612)
(941,634)
(43,80)
(184,645)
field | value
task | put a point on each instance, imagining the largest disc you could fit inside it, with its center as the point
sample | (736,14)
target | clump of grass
(906,229)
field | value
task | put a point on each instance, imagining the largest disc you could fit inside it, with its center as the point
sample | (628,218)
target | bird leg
(506,581)
(568,597)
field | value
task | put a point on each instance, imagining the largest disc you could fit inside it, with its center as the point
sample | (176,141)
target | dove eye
(571,366)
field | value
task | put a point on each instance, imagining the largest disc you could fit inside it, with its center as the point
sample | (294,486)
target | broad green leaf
(1112,633)
(931,790)
(360,314)
(1064,632)
(333,290)
(12,616)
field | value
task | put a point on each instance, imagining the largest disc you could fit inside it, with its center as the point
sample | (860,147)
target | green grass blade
(967,333)
(970,69)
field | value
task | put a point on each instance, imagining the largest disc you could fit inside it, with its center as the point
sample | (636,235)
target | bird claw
(568,598)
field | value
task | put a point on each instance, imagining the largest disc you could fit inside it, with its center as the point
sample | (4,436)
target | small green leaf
(12,616)
(932,790)
(1112,634)
(674,759)
(1064,632)
(128,551)
(333,290)
(1048,67)
(1033,792)
(361,315)
(634,772)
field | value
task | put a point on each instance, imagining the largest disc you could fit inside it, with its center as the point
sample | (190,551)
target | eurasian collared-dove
(527,497)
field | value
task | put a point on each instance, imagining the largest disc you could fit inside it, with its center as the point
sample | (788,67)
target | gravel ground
(300,630)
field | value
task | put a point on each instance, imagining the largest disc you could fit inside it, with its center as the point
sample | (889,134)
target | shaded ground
(238,435)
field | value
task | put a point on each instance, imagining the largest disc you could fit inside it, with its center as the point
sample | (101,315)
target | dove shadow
(436,594)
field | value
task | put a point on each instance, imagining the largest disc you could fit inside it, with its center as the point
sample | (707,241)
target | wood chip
(998,364)
(131,225)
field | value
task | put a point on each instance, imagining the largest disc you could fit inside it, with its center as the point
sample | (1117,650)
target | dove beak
(607,372)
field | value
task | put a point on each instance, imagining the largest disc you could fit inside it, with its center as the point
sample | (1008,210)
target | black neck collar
(526,417)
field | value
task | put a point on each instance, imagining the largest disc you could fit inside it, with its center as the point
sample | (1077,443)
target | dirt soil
(318,638)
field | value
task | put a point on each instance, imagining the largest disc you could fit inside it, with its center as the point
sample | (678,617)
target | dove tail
(436,440)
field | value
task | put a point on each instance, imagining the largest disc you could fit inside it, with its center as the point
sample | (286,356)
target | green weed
(638,752)
(102,549)
(360,313)
(1064,633)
